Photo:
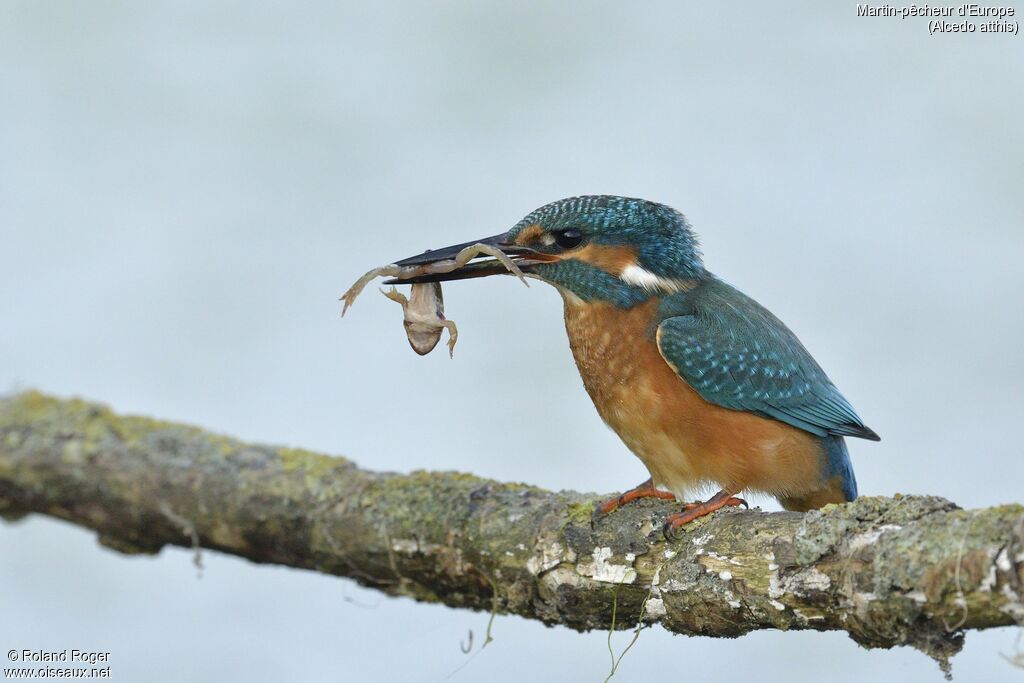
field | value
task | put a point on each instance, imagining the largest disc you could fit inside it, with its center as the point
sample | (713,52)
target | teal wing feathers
(737,355)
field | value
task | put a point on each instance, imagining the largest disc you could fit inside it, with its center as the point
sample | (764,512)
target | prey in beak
(451,263)
(424,311)
(480,258)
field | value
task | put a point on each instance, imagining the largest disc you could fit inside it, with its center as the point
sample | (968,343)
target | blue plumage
(737,355)
(701,382)
(664,241)
(837,464)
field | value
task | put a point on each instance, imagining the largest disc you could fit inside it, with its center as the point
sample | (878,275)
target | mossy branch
(889,571)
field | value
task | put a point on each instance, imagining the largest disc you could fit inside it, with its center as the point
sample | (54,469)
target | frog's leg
(349,297)
(474,250)
(395,295)
(453,335)
(467,255)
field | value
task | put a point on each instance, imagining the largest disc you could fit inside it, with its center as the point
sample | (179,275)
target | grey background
(186,189)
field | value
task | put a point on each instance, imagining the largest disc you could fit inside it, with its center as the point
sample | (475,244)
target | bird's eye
(569,238)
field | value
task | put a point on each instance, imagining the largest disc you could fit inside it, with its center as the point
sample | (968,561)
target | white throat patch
(639,276)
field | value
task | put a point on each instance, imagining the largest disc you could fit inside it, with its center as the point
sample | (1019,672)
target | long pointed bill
(489,256)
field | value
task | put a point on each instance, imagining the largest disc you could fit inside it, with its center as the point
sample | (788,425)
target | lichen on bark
(906,570)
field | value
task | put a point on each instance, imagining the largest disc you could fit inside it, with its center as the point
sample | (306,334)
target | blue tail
(837,463)
(838,485)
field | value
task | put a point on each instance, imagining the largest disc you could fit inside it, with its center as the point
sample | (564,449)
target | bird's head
(596,248)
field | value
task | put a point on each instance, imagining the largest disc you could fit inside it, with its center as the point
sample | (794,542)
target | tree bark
(908,570)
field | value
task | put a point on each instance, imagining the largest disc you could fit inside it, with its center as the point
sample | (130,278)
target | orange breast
(685,441)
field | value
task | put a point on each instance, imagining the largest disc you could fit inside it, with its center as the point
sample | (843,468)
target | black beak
(420,266)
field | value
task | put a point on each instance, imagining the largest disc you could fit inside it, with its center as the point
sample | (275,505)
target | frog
(424,308)
(424,317)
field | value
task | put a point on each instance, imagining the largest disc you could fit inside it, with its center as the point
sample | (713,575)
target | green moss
(1010,510)
(133,429)
(579,513)
(32,406)
(296,459)
(432,485)
(317,468)
(455,538)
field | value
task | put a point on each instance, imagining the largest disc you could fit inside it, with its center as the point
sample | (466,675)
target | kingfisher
(702,383)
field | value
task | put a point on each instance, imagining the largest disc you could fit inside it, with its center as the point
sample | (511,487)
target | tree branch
(889,571)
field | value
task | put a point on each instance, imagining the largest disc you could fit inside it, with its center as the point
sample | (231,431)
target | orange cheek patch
(613,260)
(529,234)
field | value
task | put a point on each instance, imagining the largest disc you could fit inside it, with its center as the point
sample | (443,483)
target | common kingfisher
(701,382)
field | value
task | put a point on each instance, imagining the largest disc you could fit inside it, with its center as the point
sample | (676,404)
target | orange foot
(692,511)
(644,490)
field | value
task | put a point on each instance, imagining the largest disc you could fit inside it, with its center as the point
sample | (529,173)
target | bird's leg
(644,490)
(692,511)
